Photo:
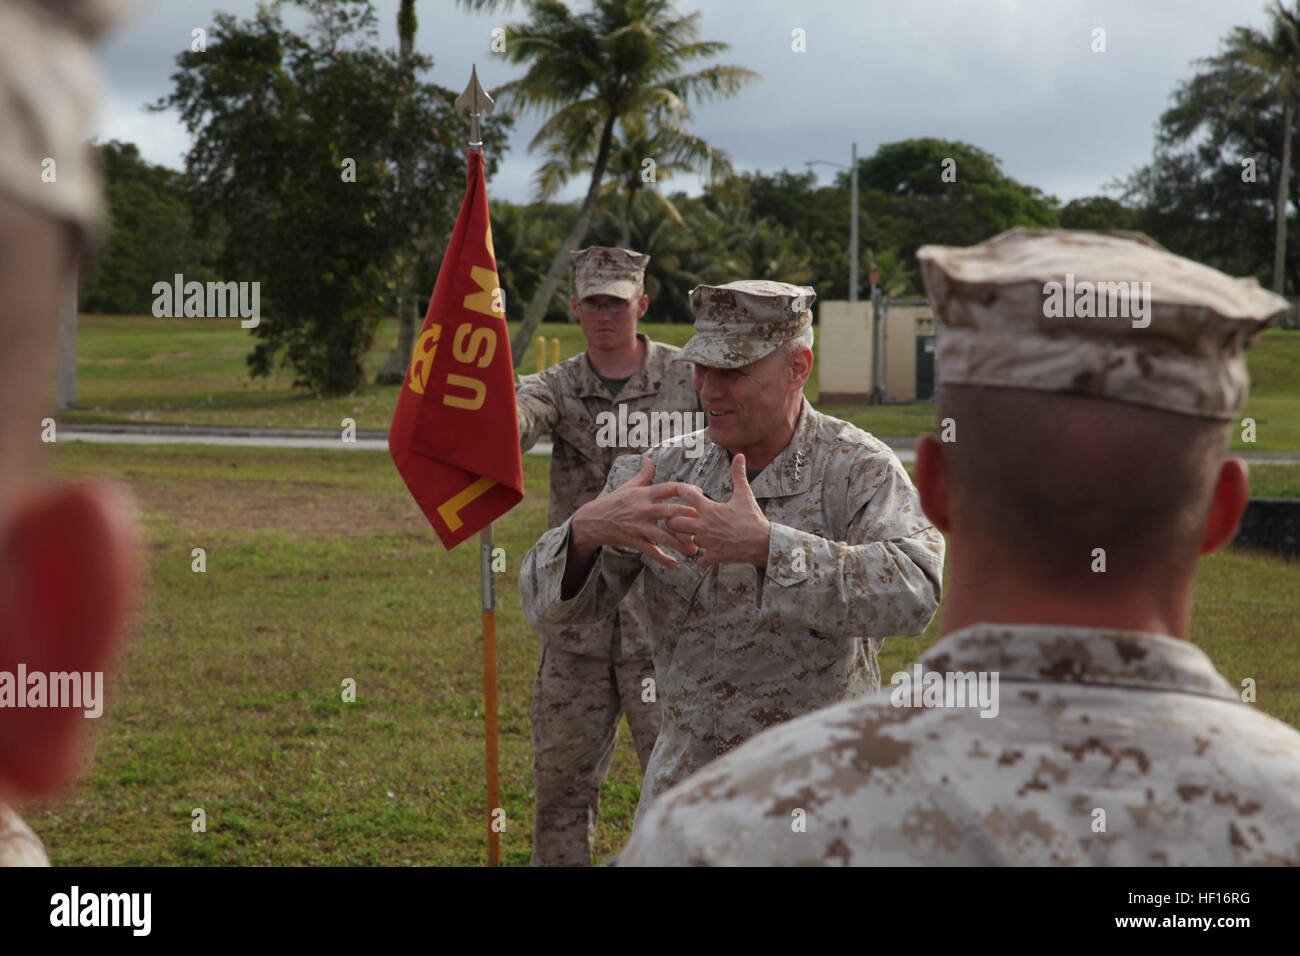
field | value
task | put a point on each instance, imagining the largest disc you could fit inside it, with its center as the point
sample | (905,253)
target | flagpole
(490,690)
(476,103)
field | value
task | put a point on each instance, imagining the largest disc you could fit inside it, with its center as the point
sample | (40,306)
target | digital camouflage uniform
(48,84)
(591,674)
(1106,746)
(1139,726)
(738,648)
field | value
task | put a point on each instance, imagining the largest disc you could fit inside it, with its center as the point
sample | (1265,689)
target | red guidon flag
(455,431)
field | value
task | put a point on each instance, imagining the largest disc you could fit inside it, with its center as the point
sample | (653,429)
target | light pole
(853,218)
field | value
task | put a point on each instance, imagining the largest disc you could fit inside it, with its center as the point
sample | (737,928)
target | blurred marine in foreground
(66,553)
(1064,718)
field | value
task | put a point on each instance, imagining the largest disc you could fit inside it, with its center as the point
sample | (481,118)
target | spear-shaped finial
(476,103)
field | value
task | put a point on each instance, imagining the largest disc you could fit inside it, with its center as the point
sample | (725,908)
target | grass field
(320,568)
(192,371)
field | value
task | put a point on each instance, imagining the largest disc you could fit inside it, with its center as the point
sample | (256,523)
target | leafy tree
(525,239)
(672,150)
(1245,97)
(620,61)
(819,215)
(274,117)
(150,234)
(677,263)
(394,370)
(753,247)
(910,202)
(1099,213)
(896,280)
(1196,205)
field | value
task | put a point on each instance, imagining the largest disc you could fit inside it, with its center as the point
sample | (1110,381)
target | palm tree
(676,249)
(619,62)
(394,369)
(673,149)
(752,247)
(525,239)
(895,277)
(1254,65)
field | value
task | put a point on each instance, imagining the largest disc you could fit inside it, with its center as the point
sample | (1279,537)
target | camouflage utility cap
(1106,314)
(741,322)
(604,270)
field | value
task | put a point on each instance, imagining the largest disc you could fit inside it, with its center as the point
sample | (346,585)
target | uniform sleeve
(19,846)
(659,841)
(538,411)
(884,579)
(612,574)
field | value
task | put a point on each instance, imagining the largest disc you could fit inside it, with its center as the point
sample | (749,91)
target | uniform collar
(1080,655)
(646,380)
(789,473)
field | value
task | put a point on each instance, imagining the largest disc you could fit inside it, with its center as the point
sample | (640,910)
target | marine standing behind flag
(590,674)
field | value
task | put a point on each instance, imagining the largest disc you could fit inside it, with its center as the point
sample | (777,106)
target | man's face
(608,321)
(743,404)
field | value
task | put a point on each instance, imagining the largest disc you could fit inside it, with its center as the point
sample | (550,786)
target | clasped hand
(732,533)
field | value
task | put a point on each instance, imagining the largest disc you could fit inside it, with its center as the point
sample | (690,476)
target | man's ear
(1231,493)
(642,305)
(932,481)
(68,576)
(801,363)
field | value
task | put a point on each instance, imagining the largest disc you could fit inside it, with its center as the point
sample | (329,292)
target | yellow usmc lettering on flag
(451,508)
(469,345)
(474,347)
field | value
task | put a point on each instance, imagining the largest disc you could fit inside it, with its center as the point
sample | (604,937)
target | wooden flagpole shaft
(490,696)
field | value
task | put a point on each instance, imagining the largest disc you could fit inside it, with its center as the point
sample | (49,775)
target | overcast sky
(1018,78)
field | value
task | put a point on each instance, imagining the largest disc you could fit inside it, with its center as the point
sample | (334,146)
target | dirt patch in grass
(294,508)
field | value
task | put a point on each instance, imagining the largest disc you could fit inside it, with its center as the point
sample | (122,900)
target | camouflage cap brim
(725,351)
(623,288)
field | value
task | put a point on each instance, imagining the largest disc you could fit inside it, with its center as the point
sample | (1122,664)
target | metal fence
(880,350)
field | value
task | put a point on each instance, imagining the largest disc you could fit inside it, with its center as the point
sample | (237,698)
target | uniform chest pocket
(804,513)
(671,592)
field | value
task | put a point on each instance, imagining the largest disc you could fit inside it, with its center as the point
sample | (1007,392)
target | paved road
(271,438)
(238,437)
(378,441)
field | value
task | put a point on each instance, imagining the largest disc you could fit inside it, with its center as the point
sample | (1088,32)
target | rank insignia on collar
(704,460)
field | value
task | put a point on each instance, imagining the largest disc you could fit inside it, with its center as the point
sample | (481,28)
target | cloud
(1015,77)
